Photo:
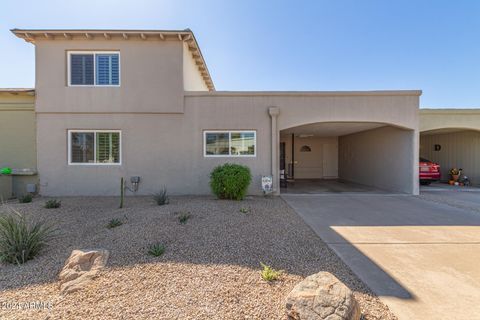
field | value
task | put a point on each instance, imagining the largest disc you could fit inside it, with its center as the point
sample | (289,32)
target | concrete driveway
(421,257)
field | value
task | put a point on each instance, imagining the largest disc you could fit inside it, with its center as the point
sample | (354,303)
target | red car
(429,171)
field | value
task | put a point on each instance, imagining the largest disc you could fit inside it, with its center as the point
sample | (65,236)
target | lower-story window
(101,147)
(230,144)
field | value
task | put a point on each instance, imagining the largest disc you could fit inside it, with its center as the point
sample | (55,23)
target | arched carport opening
(453,147)
(347,157)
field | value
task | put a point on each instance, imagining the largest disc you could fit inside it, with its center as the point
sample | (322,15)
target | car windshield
(424,160)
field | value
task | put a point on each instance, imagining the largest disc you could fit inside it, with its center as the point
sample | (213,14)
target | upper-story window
(88,68)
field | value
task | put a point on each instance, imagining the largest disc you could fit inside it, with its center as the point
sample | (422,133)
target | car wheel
(425,183)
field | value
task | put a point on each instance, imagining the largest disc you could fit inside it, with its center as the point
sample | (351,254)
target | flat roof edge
(449,110)
(305,93)
(17,91)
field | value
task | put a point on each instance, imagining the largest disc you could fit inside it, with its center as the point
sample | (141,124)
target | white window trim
(69,150)
(69,54)
(205,155)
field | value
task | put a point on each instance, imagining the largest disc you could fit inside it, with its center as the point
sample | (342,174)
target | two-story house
(124,103)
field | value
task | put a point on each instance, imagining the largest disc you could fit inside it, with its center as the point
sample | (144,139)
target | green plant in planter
(230,181)
(53,204)
(455,171)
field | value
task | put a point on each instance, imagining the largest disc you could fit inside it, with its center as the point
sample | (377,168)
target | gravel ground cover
(210,269)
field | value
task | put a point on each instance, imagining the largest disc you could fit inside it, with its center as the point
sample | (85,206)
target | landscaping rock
(80,268)
(322,297)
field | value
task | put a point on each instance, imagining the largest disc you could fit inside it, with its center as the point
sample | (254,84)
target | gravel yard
(210,269)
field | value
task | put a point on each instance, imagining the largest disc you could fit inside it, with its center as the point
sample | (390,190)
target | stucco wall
(162,149)
(151,76)
(380,158)
(458,150)
(167,149)
(308,165)
(192,79)
(17,137)
(5,187)
(433,119)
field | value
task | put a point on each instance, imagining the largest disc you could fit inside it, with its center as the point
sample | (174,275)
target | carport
(451,138)
(346,157)
(368,139)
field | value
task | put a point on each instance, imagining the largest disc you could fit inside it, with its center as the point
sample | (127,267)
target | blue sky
(287,45)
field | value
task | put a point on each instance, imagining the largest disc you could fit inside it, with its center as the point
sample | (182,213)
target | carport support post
(274,112)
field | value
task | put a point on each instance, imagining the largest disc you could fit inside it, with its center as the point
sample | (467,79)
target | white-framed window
(230,143)
(94,68)
(94,147)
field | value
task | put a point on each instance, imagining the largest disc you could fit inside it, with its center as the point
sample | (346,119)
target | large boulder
(322,296)
(80,268)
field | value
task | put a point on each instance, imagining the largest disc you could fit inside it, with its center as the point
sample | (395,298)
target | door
(330,160)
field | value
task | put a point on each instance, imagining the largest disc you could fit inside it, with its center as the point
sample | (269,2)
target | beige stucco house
(123,103)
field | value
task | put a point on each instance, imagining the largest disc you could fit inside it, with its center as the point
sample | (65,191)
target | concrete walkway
(422,258)
(316,186)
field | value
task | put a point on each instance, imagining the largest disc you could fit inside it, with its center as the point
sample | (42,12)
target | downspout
(274,112)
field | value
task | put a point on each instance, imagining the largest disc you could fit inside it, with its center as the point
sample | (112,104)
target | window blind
(81,69)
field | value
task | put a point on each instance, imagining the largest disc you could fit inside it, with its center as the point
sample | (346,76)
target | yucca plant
(21,240)
(53,204)
(156,249)
(114,223)
(161,197)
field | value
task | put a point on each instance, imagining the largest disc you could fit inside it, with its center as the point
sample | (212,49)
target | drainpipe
(274,112)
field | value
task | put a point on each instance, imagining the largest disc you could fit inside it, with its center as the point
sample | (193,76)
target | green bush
(230,181)
(26,198)
(21,240)
(53,204)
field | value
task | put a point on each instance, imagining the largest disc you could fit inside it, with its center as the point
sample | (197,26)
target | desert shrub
(230,181)
(53,204)
(156,249)
(161,197)
(21,240)
(183,217)
(270,274)
(26,198)
(114,223)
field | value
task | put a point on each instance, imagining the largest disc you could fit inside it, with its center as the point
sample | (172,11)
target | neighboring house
(17,140)
(451,137)
(124,103)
